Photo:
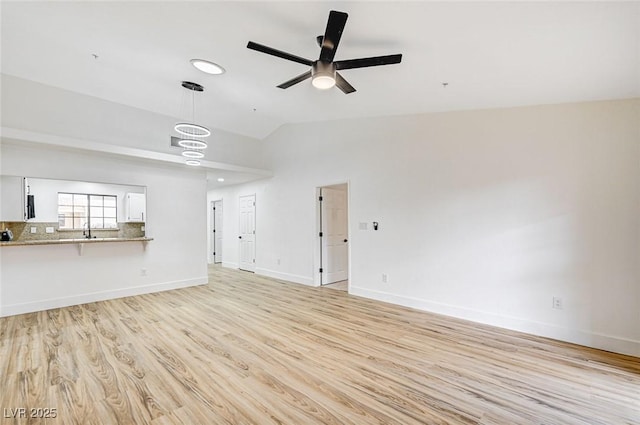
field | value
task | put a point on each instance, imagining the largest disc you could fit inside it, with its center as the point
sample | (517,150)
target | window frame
(88,206)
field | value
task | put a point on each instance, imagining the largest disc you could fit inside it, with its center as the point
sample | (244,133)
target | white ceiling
(491,55)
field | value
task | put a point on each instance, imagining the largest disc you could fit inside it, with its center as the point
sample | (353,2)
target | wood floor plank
(247,349)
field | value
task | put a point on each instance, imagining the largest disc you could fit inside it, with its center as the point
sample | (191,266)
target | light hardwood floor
(343,285)
(252,350)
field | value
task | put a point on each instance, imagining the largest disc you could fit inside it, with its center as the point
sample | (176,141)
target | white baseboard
(590,339)
(229,265)
(30,307)
(304,280)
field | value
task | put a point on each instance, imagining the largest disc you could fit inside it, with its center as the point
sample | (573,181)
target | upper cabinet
(135,207)
(13,198)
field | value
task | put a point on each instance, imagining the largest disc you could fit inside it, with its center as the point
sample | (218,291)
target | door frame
(212,234)
(252,269)
(317,250)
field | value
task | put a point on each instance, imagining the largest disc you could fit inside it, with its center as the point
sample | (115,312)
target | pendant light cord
(193,106)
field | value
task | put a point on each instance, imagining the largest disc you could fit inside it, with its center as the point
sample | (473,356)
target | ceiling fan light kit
(323,75)
(323,72)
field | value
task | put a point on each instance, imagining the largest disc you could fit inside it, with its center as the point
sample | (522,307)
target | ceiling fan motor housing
(323,71)
(323,74)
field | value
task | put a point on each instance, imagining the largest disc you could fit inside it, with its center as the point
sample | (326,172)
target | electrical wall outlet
(49,229)
(557,303)
(34,230)
(142,228)
(385,278)
(363,226)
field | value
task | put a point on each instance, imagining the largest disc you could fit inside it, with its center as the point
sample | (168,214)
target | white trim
(217,227)
(255,229)
(317,263)
(230,265)
(211,236)
(581,337)
(304,280)
(30,307)
(317,243)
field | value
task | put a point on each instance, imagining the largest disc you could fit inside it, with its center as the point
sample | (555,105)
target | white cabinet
(135,207)
(12,198)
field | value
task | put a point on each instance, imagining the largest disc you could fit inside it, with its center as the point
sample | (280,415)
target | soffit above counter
(234,174)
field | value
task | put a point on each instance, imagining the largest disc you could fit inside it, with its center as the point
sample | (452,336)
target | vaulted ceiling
(496,54)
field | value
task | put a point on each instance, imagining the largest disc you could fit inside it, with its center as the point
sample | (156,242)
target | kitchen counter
(70,241)
(81,242)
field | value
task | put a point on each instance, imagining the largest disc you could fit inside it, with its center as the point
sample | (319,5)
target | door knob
(239,237)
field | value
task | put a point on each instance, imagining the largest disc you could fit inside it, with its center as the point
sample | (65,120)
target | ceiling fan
(324,71)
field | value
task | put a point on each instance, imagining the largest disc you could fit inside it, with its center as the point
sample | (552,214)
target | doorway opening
(216,231)
(247,236)
(333,236)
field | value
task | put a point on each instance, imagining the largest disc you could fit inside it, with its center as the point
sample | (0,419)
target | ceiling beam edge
(69,142)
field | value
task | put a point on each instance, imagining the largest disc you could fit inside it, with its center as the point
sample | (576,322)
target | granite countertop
(73,241)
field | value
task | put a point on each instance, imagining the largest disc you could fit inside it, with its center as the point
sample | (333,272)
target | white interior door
(247,233)
(217,231)
(335,260)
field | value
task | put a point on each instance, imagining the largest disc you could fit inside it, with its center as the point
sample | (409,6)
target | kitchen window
(83,210)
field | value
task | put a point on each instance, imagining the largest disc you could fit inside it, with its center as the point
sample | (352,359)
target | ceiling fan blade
(295,80)
(332,34)
(274,52)
(343,85)
(365,62)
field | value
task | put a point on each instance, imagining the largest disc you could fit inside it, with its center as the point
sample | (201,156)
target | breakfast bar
(81,242)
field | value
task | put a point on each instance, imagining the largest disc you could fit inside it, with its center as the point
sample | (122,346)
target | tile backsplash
(22,231)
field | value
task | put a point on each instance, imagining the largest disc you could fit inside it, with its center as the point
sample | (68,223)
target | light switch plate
(49,229)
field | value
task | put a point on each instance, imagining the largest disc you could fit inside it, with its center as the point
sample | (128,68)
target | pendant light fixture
(191,134)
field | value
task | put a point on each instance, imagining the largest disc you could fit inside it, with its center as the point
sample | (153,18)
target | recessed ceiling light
(220,179)
(193,162)
(207,66)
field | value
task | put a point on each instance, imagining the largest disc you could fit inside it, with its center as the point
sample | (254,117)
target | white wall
(40,277)
(484,215)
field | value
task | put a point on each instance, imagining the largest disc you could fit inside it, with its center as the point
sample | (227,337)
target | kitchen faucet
(86,232)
